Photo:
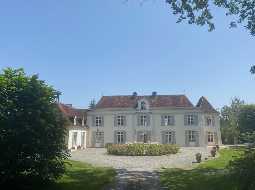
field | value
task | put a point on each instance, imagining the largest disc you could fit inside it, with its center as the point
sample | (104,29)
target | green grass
(209,175)
(81,176)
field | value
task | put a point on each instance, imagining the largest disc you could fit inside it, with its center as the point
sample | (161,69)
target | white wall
(79,131)
(155,125)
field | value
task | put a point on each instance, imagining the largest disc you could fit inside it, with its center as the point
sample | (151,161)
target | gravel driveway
(138,172)
(99,157)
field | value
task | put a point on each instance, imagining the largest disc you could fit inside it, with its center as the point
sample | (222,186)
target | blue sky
(91,48)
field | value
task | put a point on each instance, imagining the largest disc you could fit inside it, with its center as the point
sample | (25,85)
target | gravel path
(138,172)
(99,157)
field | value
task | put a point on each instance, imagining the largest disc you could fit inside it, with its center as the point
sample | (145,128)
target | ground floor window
(99,137)
(192,136)
(83,139)
(74,139)
(210,137)
(143,137)
(168,137)
(120,137)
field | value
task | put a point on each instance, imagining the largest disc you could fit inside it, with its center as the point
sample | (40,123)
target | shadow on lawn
(197,179)
(135,180)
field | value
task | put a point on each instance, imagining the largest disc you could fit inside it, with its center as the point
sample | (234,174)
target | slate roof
(205,106)
(130,101)
(70,111)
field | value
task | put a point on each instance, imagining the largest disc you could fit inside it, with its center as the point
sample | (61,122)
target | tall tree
(229,121)
(32,129)
(247,118)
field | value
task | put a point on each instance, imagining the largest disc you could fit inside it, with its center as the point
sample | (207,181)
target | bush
(213,152)
(243,170)
(198,157)
(32,129)
(142,149)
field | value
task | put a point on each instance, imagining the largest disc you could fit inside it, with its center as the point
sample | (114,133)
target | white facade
(182,126)
(77,138)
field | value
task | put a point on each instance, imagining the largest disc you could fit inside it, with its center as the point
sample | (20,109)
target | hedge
(142,149)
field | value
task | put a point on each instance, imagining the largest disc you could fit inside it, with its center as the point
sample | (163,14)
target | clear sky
(89,48)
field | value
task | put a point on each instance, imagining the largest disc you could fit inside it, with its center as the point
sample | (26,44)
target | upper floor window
(209,121)
(210,137)
(167,120)
(98,121)
(143,105)
(190,119)
(120,120)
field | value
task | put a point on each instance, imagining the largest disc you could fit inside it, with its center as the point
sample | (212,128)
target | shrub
(142,149)
(213,152)
(243,170)
(217,148)
(198,157)
(32,129)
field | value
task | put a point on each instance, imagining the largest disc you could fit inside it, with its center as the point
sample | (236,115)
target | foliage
(198,157)
(32,132)
(209,175)
(247,137)
(199,12)
(243,170)
(246,118)
(142,149)
(253,69)
(229,121)
(213,152)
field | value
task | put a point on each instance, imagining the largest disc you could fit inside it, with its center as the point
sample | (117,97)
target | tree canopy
(200,12)
(32,129)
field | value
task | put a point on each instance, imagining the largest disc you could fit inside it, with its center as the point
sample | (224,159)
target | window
(143,106)
(120,137)
(143,120)
(98,121)
(209,121)
(74,139)
(192,136)
(190,119)
(143,137)
(210,137)
(168,136)
(120,120)
(83,139)
(99,137)
(168,120)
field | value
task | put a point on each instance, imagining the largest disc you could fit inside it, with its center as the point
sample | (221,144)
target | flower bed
(142,149)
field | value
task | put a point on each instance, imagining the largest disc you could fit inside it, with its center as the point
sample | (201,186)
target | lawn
(83,176)
(209,175)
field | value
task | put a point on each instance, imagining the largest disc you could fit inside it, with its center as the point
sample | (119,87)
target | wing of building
(167,119)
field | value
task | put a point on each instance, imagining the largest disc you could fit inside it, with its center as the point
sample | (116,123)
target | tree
(253,69)
(199,12)
(247,118)
(229,121)
(247,123)
(32,129)
(242,170)
(92,104)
